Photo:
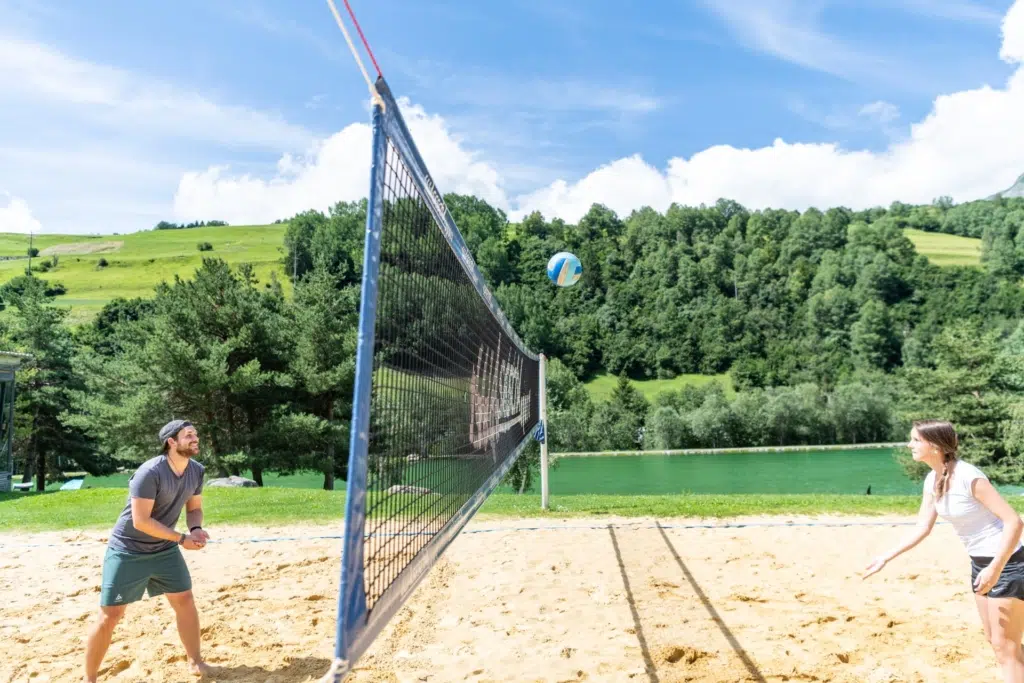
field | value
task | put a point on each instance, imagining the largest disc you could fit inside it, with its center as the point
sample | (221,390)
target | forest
(832,328)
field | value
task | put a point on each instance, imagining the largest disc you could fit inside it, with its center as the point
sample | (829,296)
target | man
(144,550)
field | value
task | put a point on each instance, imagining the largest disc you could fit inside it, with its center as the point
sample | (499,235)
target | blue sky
(107,106)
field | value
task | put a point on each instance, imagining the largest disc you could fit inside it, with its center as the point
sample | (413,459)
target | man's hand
(190,543)
(199,537)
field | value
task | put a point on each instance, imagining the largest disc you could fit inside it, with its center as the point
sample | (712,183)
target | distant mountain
(1016,191)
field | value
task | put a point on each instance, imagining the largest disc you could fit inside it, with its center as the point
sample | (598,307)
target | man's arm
(142,509)
(194,511)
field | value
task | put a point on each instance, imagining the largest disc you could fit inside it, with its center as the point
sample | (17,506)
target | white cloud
(1012,50)
(880,111)
(877,115)
(338,169)
(82,186)
(17,217)
(96,148)
(623,185)
(790,31)
(32,72)
(967,147)
(335,170)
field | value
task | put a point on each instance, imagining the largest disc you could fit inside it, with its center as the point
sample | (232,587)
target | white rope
(369,84)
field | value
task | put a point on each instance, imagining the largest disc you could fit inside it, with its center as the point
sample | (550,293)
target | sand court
(605,599)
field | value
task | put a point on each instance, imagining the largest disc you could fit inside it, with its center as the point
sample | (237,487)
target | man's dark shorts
(126,576)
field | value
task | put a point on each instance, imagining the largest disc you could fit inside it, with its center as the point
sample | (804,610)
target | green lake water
(837,471)
(828,471)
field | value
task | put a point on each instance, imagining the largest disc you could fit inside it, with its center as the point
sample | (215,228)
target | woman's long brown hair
(940,434)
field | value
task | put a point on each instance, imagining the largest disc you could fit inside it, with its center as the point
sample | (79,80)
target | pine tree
(323,364)
(44,383)
(967,386)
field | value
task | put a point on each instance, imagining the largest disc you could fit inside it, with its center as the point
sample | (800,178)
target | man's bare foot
(199,668)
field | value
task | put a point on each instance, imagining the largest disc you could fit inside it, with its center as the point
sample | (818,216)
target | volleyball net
(446,394)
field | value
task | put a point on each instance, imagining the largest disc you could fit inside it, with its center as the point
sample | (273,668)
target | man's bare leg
(187,615)
(99,639)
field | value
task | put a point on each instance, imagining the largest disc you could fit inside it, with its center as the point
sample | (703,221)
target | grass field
(140,261)
(601,387)
(946,250)
(98,508)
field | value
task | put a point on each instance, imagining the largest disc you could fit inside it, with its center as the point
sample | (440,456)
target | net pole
(543,410)
(352,594)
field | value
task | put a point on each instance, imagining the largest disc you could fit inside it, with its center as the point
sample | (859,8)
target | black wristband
(194,528)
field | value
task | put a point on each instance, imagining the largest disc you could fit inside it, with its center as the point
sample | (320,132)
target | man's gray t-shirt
(155,479)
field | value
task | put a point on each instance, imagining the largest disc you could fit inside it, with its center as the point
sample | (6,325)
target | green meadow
(601,387)
(137,262)
(946,250)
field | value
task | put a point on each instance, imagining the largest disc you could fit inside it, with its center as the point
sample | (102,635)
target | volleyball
(564,269)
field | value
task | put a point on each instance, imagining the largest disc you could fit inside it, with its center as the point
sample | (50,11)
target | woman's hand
(875,566)
(987,578)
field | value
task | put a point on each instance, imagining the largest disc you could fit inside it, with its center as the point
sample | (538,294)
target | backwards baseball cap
(171,429)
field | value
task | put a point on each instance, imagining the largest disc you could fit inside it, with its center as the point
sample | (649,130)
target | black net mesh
(452,394)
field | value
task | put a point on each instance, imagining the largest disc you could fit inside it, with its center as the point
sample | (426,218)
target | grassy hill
(600,388)
(139,261)
(946,250)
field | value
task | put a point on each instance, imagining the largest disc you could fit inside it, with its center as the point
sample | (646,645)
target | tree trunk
(329,472)
(40,469)
(257,474)
(30,469)
(233,440)
(218,455)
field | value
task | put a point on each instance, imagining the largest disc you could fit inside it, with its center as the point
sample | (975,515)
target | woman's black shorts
(1011,581)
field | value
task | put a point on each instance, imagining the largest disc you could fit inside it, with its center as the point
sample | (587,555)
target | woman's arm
(926,516)
(987,495)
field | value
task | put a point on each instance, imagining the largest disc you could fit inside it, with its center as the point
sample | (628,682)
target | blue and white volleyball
(564,269)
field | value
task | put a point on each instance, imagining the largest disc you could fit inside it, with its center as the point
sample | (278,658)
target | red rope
(365,44)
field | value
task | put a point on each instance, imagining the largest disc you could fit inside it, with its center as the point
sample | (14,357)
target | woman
(988,527)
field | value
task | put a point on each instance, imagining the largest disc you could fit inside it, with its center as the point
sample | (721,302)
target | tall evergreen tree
(323,365)
(45,381)
(967,385)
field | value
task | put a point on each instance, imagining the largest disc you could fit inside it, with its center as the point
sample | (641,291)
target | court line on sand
(649,668)
(554,527)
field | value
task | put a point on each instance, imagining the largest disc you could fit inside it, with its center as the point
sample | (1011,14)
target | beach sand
(599,599)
